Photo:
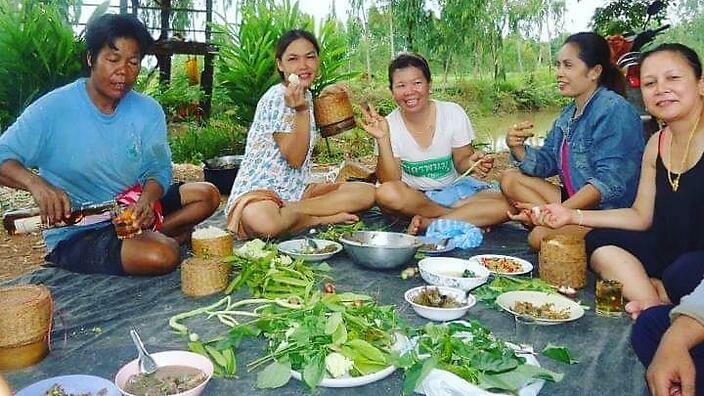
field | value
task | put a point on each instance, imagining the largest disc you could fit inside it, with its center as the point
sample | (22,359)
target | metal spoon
(310,241)
(145,361)
(442,244)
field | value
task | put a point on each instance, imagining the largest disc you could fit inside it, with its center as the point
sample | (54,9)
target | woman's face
(574,77)
(410,89)
(114,71)
(300,58)
(669,86)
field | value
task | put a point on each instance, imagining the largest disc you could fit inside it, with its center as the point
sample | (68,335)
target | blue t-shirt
(90,155)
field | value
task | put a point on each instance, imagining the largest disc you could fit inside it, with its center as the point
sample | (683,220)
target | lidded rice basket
(563,260)
(25,324)
(333,112)
(211,242)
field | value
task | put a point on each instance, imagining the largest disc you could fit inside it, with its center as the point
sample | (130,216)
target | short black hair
(292,35)
(409,59)
(105,29)
(687,53)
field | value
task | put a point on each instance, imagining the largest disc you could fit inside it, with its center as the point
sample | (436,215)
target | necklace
(675,181)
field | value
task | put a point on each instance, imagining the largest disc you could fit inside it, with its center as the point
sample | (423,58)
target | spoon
(311,243)
(145,361)
(442,244)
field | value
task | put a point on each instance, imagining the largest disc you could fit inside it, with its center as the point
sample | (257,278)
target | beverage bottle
(24,221)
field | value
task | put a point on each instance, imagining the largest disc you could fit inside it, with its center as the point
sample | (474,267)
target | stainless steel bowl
(224,162)
(379,249)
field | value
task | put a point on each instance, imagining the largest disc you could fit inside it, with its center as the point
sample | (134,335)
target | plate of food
(504,265)
(310,249)
(88,385)
(432,245)
(545,308)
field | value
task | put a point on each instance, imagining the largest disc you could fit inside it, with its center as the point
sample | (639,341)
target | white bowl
(447,271)
(295,248)
(169,358)
(441,314)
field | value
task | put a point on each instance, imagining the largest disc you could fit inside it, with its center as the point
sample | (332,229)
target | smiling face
(113,72)
(670,88)
(300,58)
(410,89)
(574,78)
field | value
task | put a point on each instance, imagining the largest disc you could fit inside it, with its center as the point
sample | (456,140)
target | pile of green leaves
(334,231)
(471,352)
(271,275)
(352,325)
(502,284)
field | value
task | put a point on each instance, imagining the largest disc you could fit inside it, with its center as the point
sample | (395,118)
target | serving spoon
(145,361)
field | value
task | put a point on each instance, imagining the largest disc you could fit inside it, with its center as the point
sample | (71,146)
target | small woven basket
(563,261)
(333,113)
(25,324)
(212,247)
(203,276)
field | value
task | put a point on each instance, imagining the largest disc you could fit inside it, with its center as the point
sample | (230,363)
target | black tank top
(678,218)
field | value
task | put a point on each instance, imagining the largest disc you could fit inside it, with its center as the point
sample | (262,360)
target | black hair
(292,35)
(594,50)
(687,53)
(409,59)
(105,29)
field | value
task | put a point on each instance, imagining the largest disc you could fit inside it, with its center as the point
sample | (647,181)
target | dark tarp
(93,315)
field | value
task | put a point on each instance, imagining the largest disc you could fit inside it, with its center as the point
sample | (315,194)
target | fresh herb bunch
(470,351)
(501,284)
(334,232)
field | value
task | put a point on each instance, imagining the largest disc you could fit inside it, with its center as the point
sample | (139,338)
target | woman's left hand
(143,213)
(486,163)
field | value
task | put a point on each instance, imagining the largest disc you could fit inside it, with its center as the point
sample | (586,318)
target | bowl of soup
(453,272)
(180,373)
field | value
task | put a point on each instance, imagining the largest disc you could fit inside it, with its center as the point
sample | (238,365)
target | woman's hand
(550,215)
(295,98)
(143,213)
(481,162)
(517,135)
(373,123)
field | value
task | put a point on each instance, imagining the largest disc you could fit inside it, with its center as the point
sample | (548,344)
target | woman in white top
(423,146)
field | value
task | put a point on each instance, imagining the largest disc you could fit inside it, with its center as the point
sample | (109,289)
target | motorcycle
(626,51)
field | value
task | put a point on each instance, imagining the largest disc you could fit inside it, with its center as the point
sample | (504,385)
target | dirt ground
(20,254)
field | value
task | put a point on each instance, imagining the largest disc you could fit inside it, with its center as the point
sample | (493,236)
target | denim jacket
(605,149)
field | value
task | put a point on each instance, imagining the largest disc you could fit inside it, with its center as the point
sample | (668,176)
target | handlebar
(647,36)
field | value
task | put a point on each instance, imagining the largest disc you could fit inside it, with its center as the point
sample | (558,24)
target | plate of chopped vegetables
(545,308)
(83,385)
(503,265)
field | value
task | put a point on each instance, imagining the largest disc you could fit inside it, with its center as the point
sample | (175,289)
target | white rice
(208,233)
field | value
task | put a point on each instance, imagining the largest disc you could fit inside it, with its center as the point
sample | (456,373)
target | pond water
(491,129)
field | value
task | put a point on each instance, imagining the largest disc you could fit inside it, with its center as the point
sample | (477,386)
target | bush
(220,136)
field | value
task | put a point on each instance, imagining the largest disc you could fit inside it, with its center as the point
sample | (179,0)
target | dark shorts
(99,251)
(564,195)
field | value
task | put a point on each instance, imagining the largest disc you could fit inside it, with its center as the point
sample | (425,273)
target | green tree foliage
(39,53)
(620,16)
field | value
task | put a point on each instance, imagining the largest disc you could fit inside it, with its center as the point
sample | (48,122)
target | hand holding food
(143,214)
(294,96)
(373,123)
(481,163)
(525,214)
(517,135)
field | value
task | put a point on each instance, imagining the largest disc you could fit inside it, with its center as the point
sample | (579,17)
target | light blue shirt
(90,155)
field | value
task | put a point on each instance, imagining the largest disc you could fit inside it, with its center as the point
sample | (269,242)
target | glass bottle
(24,221)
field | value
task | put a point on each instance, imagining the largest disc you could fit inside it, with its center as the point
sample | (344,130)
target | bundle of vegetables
(502,284)
(470,351)
(334,231)
(269,274)
(333,335)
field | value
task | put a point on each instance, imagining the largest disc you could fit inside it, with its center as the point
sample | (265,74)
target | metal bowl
(224,162)
(379,249)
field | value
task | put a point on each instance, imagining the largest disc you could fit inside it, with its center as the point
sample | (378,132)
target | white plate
(350,382)
(526,266)
(508,300)
(72,384)
(294,248)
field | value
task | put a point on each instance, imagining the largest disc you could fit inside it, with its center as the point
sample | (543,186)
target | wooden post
(164,60)
(206,79)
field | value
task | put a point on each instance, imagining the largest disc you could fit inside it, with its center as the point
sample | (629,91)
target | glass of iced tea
(609,297)
(124,222)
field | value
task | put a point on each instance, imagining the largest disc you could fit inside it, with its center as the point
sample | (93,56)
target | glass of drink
(609,297)
(124,222)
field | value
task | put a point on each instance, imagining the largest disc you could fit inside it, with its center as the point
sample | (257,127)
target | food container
(563,260)
(441,314)
(449,271)
(211,242)
(221,171)
(299,249)
(333,112)
(379,249)
(25,324)
(204,276)
(169,358)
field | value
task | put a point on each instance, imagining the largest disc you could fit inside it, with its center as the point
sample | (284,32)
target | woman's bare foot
(634,308)
(340,218)
(418,224)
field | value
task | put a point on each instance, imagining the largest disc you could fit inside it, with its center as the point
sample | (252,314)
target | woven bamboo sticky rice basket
(212,246)
(563,260)
(204,276)
(333,112)
(25,324)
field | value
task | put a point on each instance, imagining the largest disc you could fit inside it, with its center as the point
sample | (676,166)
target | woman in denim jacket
(595,146)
